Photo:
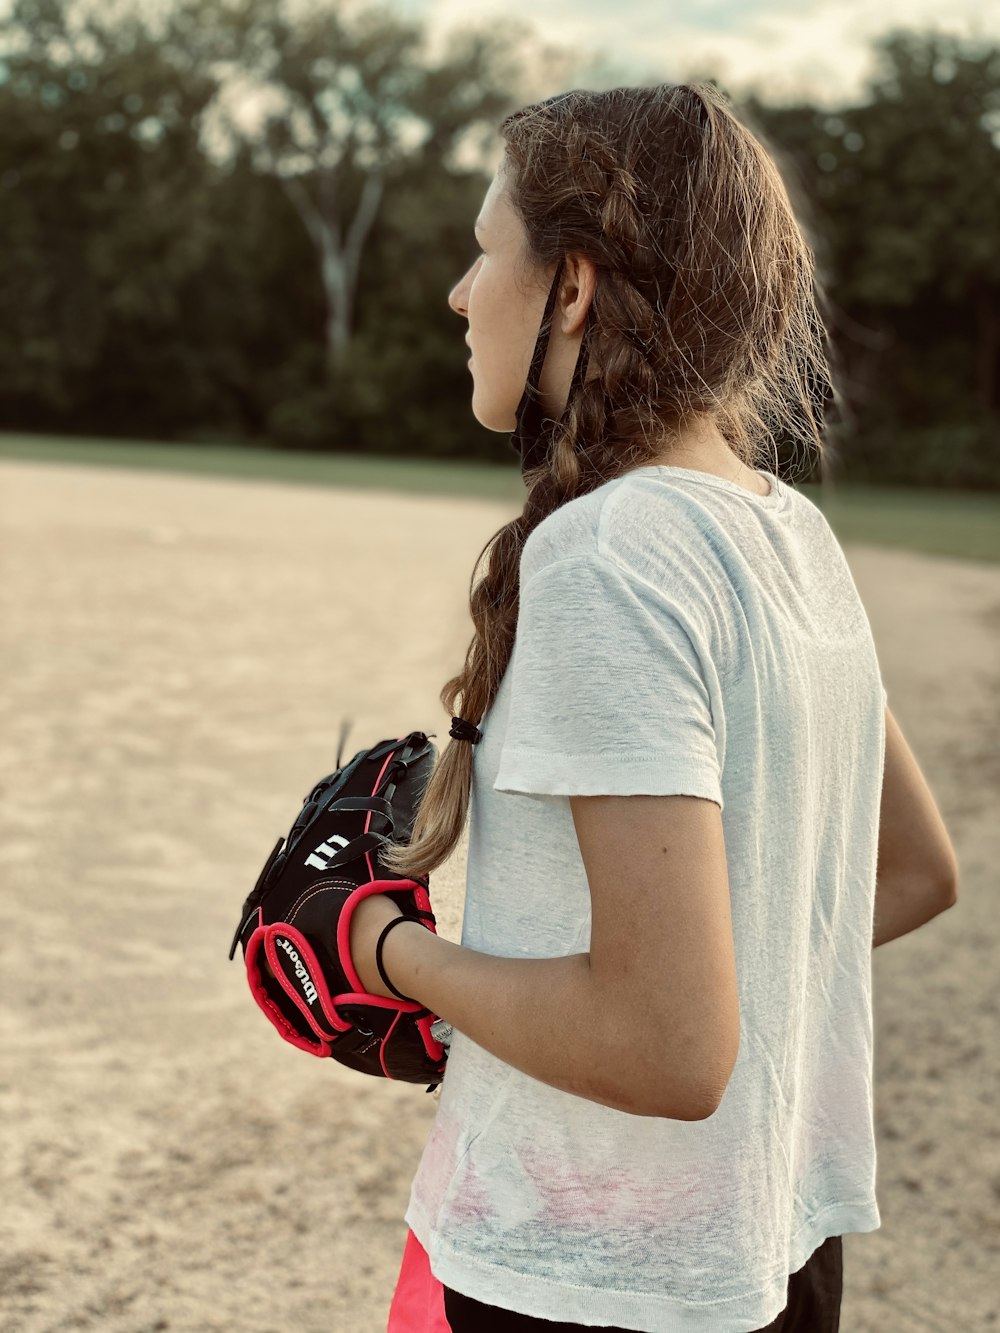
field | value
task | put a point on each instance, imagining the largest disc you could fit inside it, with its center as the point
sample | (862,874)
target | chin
(493,416)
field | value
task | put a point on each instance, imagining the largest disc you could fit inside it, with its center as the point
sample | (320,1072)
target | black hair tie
(378,958)
(464,731)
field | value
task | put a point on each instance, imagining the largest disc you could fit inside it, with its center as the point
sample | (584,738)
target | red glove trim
(284,945)
(271,1011)
(296,948)
(423,903)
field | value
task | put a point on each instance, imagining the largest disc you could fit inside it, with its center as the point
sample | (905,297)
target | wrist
(380,964)
(404,957)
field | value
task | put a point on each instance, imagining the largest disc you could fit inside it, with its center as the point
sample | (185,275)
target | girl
(657,1110)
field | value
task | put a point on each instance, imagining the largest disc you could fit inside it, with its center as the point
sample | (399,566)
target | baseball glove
(296,922)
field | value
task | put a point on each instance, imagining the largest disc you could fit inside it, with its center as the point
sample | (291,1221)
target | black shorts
(812,1304)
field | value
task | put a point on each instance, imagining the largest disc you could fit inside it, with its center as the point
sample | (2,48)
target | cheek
(496,323)
(482,299)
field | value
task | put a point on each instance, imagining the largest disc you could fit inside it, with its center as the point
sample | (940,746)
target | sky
(818,49)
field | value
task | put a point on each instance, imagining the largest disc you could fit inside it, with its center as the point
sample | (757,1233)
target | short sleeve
(608,693)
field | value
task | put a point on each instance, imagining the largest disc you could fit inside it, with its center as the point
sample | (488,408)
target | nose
(458,297)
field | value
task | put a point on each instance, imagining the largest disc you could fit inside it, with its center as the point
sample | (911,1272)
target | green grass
(961,524)
(409,475)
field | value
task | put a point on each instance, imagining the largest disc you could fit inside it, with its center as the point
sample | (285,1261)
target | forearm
(544,1016)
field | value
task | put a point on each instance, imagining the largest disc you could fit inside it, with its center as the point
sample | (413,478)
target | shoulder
(614,522)
(568,532)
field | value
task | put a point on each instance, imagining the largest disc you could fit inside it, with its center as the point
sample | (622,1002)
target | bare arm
(918,872)
(544,1016)
(904,906)
(647,1021)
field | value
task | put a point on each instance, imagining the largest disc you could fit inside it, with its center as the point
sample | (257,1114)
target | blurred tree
(198,207)
(346,100)
(157,278)
(100,201)
(908,188)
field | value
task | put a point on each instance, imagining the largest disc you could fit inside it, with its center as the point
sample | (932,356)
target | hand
(369,919)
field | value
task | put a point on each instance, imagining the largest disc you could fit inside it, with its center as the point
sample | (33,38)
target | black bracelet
(378,957)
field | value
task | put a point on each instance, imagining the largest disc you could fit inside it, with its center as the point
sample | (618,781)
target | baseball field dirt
(178,654)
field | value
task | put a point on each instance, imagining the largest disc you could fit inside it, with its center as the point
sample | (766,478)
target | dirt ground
(177,656)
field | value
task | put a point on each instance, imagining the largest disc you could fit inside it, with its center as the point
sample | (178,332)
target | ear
(576,292)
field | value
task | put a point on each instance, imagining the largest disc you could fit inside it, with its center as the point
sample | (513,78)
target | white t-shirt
(676,634)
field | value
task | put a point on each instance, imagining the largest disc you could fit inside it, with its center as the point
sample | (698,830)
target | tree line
(217,223)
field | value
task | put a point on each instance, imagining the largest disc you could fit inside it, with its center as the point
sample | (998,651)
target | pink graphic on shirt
(603,1194)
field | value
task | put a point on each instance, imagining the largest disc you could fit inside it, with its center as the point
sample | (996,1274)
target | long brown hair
(705,304)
